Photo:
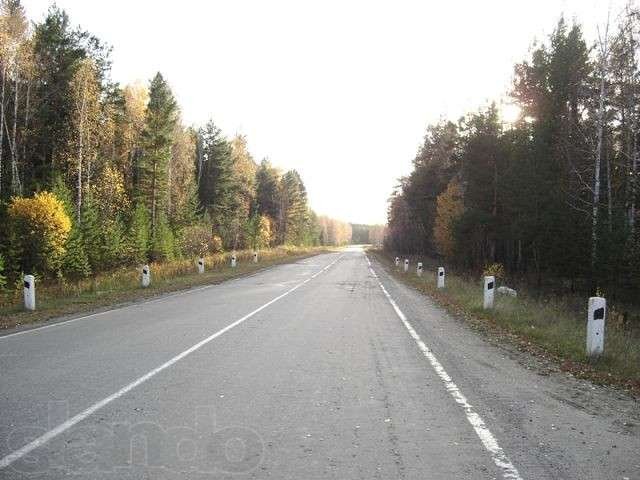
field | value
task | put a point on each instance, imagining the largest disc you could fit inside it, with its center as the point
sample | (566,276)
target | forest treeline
(553,195)
(94,175)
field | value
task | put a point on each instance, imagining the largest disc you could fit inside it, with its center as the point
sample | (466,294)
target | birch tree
(13,55)
(603,64)
(182,183)
(130,128)
(85,122)
(4,42)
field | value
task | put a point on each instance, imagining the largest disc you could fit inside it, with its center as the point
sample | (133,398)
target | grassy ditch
(552,327)
(54,299)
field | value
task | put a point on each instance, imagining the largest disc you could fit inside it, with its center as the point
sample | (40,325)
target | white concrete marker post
(29,283)
(397,262)
(233,260)
(406,265)
(440,282)
(146,276)
(595,326)
(201,265)
(419,269)
(255,257)
(489,292)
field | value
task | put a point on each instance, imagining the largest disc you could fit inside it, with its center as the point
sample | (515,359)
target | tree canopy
(552,195)
(103,175)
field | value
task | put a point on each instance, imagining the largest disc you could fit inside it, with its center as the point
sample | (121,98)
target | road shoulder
(593,431)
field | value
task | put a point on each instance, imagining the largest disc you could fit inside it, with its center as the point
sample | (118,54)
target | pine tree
(90,225)
(293,211)
(267,179)
(60,189)
(252,230)
(58,48)
(157,139)
(139,238)
(215,173)
(163,244)
(75,263)
(3,278)
(311,230)
(112,250)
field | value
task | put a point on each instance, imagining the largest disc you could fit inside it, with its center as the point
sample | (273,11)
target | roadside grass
(59,298)
(551,327)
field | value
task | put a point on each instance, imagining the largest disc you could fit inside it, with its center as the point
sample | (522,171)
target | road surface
(322,369)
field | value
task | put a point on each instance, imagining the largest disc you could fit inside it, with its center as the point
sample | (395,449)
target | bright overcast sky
(340,90)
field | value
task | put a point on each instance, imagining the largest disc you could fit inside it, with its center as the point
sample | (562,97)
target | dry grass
(55,299)
(551,326)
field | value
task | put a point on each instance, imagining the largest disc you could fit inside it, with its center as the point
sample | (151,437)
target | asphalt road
(322,369)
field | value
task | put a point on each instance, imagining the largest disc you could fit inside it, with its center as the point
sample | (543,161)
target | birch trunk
(168,197)
(199,160)
(633,161)
(26,125)
(16,185)
(596,180)
(598,155)
(609,199)
(4,77)
(495,207)
(80,152)
(634,167)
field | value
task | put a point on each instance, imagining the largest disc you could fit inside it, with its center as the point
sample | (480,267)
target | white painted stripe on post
(489,442)
(51,434)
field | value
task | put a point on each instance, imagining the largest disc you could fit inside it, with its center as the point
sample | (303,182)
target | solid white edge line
(164,297)
(16,455)
(489,442)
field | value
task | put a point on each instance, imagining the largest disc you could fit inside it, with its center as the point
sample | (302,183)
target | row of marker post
(29,282)
(596,312)
(420,271)
(146,271)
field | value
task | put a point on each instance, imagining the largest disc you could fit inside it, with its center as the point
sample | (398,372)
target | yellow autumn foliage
(42,227)
(494,269)
(265,232)
(449,208)
(110,194)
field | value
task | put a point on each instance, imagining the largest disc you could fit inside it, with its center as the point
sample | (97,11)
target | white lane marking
(104,312)
(14,456)
(486,437)
(139,303)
